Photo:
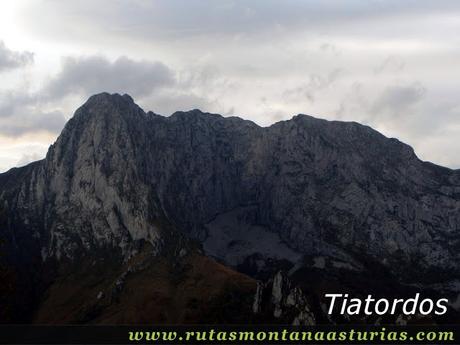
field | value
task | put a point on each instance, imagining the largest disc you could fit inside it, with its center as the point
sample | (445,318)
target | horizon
(241,117)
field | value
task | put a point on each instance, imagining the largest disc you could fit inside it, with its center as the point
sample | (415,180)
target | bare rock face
(95,180)
(280,299)
(88,192)
(299,188)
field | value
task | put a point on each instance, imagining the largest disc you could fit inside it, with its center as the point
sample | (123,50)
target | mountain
(129,206)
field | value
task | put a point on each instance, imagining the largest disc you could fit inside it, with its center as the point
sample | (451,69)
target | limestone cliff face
(299,187)
(89,192)
(284,302)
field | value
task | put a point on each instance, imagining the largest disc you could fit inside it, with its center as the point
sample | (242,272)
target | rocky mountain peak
(105,99)
(111,105)
(305,186)
(300,194)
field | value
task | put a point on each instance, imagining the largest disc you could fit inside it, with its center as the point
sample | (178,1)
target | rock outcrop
(278,297)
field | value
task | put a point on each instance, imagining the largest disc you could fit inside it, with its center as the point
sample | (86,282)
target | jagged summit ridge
(319,187)
(105,103)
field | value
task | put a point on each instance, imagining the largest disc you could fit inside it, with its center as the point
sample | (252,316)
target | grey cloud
(10,59)
(330,48)
(20,113)
(395,105)
(228,54)
(392,64)
(152,84)
(315,84)
(397,99)
(93,74)
(32,120)
(12,100)
(180,19)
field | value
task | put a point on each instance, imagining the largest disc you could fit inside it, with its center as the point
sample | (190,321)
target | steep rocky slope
(304,194)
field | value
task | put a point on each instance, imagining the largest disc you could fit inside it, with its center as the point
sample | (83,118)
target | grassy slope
(194,289)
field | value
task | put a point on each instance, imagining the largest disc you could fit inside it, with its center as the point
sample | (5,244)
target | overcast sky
(390,64)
